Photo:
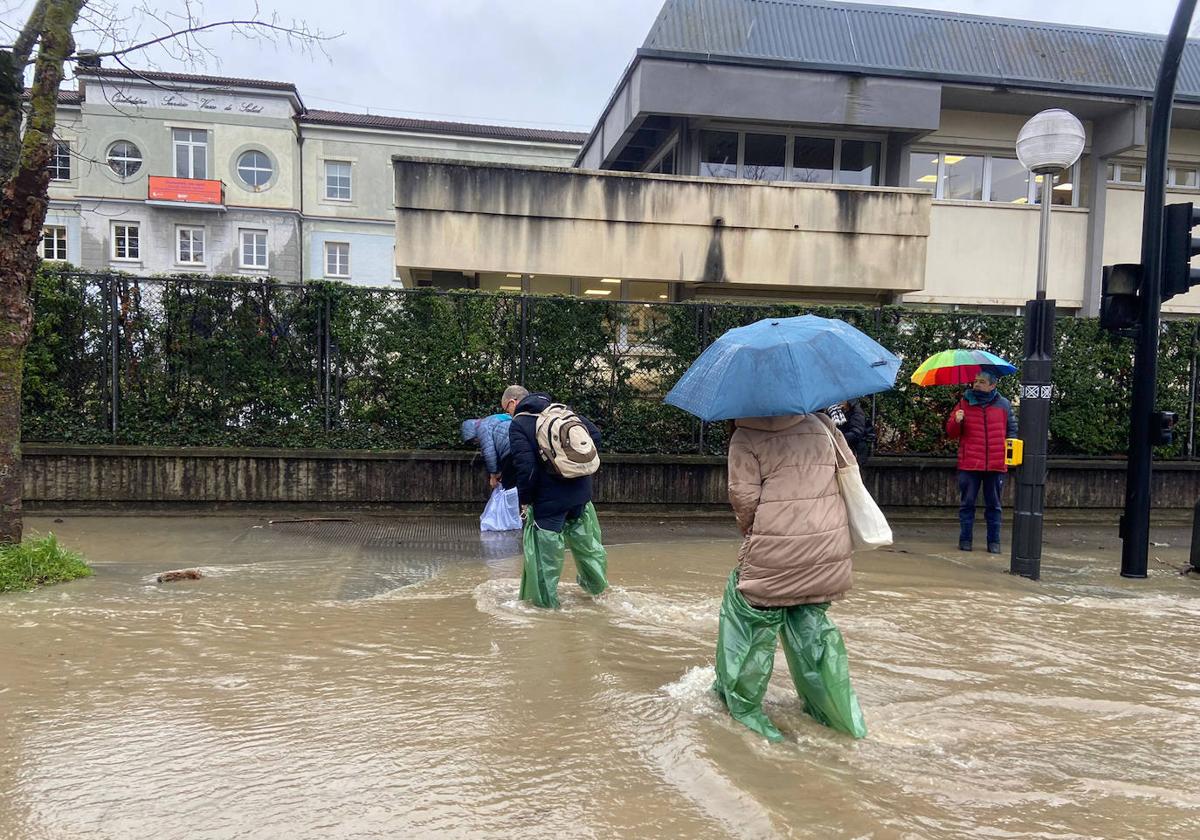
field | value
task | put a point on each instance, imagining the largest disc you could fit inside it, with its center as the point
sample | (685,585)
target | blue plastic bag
(503,511)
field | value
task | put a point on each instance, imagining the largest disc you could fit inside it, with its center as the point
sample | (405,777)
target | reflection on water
(382,680)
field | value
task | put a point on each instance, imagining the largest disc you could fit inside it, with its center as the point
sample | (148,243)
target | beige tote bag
(869,528)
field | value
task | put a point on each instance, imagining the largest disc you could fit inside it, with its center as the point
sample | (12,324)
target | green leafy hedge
(232,362)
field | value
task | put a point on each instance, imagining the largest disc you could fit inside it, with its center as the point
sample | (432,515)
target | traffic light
(1178,249)
(1119,297)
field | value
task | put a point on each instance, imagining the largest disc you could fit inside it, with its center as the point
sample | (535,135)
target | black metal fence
(234,362)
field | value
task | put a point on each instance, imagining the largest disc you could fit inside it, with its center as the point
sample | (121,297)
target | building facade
(158,173)
(826,151)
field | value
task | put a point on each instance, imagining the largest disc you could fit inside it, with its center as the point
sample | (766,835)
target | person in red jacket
(980,423)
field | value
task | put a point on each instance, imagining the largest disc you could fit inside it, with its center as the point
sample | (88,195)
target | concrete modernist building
(164,172)
(824,151)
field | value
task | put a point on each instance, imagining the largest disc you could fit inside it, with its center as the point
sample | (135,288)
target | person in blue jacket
(490,434)
(558,513)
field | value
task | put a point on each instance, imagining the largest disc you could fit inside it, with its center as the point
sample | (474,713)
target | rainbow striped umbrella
(957,367)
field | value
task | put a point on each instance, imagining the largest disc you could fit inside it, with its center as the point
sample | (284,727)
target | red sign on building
(190,190)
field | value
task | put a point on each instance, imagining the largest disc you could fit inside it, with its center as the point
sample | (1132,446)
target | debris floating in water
(179,574)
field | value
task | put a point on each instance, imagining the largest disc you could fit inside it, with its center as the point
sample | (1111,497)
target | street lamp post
(1050,142)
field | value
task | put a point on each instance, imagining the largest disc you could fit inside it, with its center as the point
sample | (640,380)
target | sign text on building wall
(213,102)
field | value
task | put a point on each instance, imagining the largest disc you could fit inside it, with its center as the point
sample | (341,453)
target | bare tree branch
(300,32)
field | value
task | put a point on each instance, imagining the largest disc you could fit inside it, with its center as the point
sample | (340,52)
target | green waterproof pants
(816,656)
(544,558)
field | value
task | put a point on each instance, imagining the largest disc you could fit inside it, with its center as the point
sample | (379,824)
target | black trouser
(969,482)
(508,475)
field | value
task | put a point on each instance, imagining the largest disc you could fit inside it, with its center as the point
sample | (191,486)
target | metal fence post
(877,336)
(114,327)
(705,314)
(524,341)
(1191,439)
(326,365)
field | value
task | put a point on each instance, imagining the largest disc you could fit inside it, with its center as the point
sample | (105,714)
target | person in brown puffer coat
(794,560)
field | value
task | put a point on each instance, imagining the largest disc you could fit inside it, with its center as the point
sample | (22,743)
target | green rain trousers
(544,558)
(816,656)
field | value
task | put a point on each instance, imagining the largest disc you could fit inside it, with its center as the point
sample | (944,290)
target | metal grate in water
(380,555)
(427,538)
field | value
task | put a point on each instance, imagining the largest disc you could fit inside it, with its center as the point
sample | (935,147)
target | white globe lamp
(1050,141)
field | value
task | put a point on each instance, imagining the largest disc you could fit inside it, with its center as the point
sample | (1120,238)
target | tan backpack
(564,442)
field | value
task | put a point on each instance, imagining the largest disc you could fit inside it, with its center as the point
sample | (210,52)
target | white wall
(986,254)
(1123,237)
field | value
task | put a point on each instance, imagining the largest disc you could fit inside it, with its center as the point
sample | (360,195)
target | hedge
(236,362)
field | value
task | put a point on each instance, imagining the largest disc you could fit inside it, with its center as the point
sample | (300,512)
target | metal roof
(889,40)
(494,132)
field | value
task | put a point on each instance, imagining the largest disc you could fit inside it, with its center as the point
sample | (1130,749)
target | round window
(124,158)
(254,168)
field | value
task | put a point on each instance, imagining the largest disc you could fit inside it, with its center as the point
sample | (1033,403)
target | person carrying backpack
(555,453)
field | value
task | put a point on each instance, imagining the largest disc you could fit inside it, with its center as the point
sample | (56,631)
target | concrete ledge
(61,476)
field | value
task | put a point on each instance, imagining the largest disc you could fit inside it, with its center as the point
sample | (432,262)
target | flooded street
(378,679)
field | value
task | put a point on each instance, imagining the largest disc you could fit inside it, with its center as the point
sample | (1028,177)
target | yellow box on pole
(1014,451)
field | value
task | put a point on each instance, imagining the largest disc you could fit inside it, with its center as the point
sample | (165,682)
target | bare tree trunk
(26,143)
(23,204)
(16,319)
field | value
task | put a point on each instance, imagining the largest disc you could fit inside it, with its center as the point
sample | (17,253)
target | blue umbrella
(783,366)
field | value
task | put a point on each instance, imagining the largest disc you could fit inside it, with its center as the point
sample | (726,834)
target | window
(765,157)
(189,245)
(923,171)
(859,163)
(1125,173)
(191,153)
(126,241)
(994,178)
(666,163)
(124,158)
(542,285)
(1010,181)
(254,168)
(963,178)
(254,249)
(783,157)
(337,259)
(60,161)
(337,180)
(1185,177)
(54,243)
(718,154)
(813,159)
(1062,191)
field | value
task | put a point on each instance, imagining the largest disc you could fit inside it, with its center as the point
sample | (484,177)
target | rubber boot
(543,565)
(816,656)
(745,658)
(591,560)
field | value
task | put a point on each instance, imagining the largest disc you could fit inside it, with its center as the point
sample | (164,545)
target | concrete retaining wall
(62,476)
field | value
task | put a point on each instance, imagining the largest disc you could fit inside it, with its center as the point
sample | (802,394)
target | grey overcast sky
(549,63)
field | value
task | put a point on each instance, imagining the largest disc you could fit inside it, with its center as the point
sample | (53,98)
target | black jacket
(537,483)
(857,432)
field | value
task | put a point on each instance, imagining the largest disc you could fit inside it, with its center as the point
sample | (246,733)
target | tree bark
(23,203)
(14,308)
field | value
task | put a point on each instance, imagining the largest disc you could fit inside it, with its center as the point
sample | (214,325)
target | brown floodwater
(380,680)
